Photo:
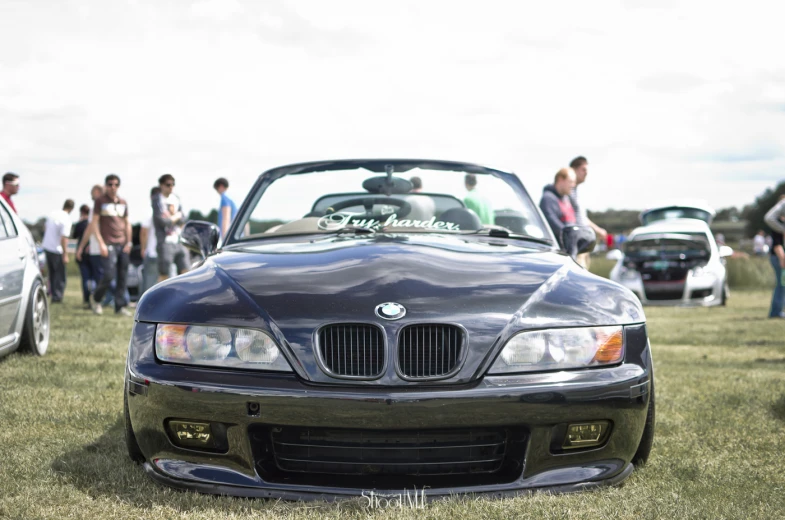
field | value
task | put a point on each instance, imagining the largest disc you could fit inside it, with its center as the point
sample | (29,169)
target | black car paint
(493,287)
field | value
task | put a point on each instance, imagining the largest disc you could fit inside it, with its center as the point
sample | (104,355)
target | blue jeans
(778,298)
(91,270)
(115,270)
(149,273)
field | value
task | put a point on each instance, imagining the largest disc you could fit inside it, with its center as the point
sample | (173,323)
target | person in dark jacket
(556,204)
(88,280)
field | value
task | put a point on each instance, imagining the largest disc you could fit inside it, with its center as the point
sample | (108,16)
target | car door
(12,269)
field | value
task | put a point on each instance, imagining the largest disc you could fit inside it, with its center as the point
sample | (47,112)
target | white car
(674,260)
(24,308)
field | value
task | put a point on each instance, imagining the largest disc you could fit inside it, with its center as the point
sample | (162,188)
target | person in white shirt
(55,244)
(759,246)
(423,206)
(168,219)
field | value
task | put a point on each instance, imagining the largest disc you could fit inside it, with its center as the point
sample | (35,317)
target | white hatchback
(24,308)
(674,259)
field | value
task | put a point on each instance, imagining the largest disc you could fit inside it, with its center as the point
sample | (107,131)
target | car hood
(493,288)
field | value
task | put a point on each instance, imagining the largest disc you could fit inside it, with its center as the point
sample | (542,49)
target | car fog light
(585,434)
(192,434)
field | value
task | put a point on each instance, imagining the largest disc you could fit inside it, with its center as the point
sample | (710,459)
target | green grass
(718,453)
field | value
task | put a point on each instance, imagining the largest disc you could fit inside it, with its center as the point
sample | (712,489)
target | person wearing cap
(10,188)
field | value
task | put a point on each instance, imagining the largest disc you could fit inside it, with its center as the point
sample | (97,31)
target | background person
(476,201)
(88,250)
(149,245)
(423,207)
(110,220)
(759,245)
(88,282)
(777,259)
(226,208)
(775,219)
(581,166)
(168,218)
(10,188)
(55,244)
(556,204)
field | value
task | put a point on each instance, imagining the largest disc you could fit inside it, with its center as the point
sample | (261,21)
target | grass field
(718,453)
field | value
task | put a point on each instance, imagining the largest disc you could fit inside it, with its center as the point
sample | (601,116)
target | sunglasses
(112,184)
(169,184)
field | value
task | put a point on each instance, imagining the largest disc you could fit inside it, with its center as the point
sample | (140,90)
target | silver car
(24,309)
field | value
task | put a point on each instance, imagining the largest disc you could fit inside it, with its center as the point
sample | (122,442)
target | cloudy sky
(664,98)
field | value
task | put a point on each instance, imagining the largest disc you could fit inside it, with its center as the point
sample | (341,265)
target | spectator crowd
(104,240)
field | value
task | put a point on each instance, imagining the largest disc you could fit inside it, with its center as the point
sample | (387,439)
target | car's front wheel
(647,440)
(35,332)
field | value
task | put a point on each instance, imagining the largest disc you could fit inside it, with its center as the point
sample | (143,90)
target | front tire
(647,440)
(35,332)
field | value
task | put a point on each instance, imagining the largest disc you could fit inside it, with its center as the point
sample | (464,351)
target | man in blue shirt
(227,209)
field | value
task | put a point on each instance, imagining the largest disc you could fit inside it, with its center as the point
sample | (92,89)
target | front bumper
(534,408)
(693,292)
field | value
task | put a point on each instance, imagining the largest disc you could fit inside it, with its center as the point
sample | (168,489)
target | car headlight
(558,349)
(218,347)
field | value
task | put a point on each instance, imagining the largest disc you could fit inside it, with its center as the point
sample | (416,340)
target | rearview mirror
(200,237)
(578,239)
(726,251)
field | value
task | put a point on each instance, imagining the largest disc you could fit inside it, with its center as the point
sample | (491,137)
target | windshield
(362,201)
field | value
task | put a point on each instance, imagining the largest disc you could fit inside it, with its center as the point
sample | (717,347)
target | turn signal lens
(585,434)
(611,345)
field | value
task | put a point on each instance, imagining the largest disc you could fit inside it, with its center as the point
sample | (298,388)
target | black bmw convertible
(383,326)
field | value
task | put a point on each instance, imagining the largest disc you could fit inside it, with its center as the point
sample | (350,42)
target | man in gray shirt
(581,166)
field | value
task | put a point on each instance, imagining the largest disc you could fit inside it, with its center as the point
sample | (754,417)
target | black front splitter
(349,494)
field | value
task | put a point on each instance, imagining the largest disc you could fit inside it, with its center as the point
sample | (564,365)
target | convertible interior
(387,197)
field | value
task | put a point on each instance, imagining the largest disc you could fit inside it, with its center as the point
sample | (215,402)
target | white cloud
(663,98)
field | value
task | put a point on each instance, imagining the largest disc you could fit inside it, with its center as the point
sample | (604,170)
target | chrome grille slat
(429,351)
(352,350)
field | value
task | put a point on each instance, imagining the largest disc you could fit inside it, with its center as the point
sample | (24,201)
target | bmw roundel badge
(390,311)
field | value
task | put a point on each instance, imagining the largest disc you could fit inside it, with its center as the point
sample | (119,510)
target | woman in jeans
(777,258)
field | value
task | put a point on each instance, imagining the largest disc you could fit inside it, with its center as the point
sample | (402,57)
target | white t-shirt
(152,242)
(58,225)
(172,204)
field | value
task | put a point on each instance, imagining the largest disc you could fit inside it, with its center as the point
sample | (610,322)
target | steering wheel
(404,208)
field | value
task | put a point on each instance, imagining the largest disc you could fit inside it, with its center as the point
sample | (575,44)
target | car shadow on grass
(778,408)
(103,470)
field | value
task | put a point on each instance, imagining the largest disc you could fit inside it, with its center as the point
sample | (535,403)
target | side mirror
(615,255)
(578,239)
(200,237)
(726,251)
